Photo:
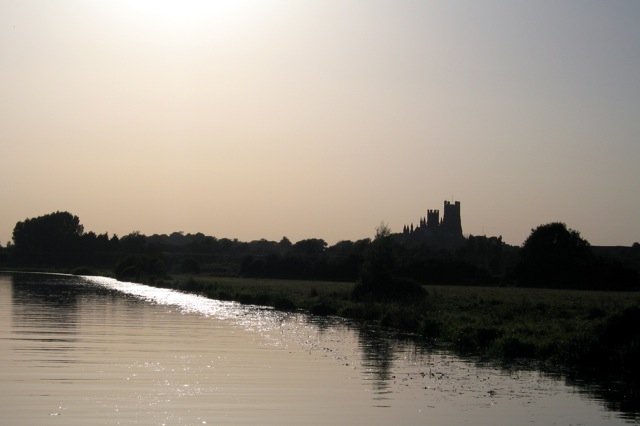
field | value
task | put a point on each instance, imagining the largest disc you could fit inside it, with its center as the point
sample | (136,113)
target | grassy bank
(597,330)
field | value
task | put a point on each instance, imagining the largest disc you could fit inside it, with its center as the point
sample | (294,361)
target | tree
(555,256)
(134,242)
(310,247)
(284,244)
(50,239)
(377,280)
(3,254)
(377,267)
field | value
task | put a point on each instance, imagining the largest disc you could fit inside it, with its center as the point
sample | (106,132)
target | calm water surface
(91,351)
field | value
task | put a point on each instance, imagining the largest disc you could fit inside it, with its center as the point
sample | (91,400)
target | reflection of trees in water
(377,356)
(44,313)
(376,345)
(617,394)
(44,302)
(620,393)
(322,324)
(56,301)
(380,349)
(47,311)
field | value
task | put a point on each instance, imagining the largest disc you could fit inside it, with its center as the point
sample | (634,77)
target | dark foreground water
(91,351)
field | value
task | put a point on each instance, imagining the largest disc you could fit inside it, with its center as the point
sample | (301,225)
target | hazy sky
(262,119)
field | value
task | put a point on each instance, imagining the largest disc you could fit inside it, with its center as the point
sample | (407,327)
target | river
(95,351)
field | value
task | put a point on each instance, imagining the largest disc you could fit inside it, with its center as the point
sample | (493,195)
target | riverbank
(221,360)
(573,328)
(590,330)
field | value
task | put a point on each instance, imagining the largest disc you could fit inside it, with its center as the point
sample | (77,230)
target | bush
(141,268)
(473,339)
(322,308)
(82,271)
(515,347)
(193,286)
(283,304)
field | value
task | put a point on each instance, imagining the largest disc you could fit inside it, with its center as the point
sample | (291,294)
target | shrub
(284,304)
(140,268)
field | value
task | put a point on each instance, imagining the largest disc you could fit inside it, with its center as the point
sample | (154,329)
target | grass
(559,325)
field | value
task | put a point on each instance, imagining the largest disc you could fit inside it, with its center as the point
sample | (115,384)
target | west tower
(451,221)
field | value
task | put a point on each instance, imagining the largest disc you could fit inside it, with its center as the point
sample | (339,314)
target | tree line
(552,256)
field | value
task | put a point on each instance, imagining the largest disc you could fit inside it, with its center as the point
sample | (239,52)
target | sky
(321,119)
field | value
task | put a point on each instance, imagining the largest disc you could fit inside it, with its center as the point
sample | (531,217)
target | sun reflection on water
(387,368)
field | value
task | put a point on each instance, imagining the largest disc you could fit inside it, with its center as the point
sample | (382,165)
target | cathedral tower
(451,221)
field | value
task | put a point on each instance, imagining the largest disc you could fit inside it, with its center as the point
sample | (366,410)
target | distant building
(431,230)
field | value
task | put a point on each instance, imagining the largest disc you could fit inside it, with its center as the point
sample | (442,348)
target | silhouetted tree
(555,256)
(285,244)
(134,242)
(376,270)
(4,256)
(377,280)
(52,239)
(310,247)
